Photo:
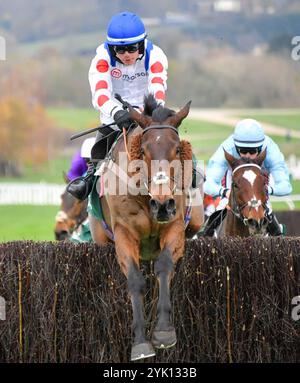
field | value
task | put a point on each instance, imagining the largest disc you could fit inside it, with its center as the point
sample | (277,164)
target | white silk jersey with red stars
(132,82)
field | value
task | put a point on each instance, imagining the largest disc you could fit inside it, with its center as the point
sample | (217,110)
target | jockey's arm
(157,74)
(216,168)
(101,84)
(275,164)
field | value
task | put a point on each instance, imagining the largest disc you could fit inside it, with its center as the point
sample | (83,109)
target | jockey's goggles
(248,150)
(121,49)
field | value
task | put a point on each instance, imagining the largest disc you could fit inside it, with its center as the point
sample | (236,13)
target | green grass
(20,222)
(289,121)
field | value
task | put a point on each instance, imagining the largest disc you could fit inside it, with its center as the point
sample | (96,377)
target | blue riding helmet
(248,133)
(125,28)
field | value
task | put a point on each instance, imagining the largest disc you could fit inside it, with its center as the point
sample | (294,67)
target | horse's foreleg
(172,244)
(127,250)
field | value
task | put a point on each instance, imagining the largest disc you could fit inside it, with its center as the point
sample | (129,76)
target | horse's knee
(135,280)
(164,262)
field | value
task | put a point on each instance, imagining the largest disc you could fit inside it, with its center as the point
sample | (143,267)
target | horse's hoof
(142,351)
(164,339)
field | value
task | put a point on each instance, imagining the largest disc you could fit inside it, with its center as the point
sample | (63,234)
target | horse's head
(71,214)
(163,155)
(248,191)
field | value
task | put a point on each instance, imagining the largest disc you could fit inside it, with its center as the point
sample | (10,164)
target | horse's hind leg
(128,258)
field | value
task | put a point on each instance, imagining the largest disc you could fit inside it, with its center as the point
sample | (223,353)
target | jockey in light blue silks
(248,140)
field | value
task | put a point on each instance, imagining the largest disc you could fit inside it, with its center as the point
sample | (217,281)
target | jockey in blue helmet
(248,140)
(129,64)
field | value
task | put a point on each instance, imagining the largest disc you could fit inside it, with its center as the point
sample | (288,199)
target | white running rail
(30,194)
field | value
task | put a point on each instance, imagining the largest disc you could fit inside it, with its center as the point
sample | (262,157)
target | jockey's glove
(123,119)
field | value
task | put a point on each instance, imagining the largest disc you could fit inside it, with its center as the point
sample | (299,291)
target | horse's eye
(142,152)
(235,185)
(177,151)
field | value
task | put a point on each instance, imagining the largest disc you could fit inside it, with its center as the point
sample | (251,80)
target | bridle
(160,178)
(252,204)
(63,217)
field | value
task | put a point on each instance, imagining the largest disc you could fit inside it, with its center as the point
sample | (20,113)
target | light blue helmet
(125,28)
(248,133)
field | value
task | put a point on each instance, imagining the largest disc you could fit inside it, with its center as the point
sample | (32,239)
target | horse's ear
(140,118)
(261,157)
(179,116)
(65,177)
(230,159)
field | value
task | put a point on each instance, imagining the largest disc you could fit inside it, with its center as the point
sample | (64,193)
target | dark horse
(246,211)
(71,214)
(151,224)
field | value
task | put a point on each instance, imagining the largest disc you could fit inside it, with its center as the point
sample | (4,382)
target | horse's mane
(155,110)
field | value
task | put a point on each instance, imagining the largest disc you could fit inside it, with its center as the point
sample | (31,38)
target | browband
(245,165)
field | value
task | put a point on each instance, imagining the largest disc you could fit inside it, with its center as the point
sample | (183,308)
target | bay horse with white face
(151,224)
(246,213)
(70,216)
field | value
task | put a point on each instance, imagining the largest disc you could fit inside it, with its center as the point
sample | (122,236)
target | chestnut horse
(151,224)
(246,210)
(71,214)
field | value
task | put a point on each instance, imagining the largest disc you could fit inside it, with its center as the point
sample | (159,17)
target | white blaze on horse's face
(250,176)
(157,138)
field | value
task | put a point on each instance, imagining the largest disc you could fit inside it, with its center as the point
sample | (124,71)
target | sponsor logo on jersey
(116,73)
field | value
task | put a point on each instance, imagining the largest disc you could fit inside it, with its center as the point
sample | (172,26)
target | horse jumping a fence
(154,223)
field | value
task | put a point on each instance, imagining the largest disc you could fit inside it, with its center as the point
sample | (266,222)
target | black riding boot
(81,187)
(274,228)
(212,223)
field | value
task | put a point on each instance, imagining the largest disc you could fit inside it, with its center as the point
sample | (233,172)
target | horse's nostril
(154,205)
(61,235)
(254,223)
(170,206)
